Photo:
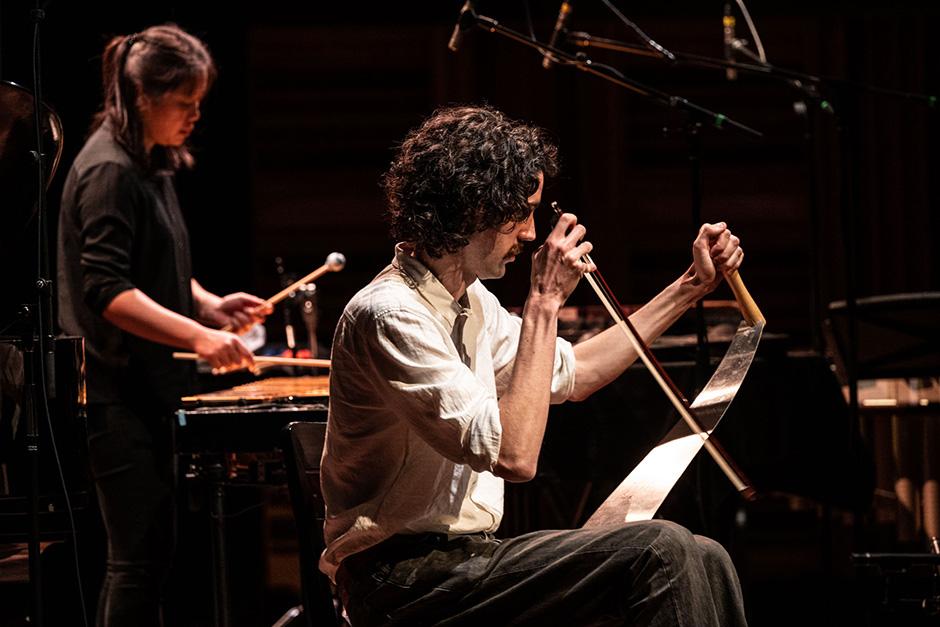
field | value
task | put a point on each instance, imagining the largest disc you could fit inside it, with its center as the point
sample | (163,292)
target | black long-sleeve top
(120,228)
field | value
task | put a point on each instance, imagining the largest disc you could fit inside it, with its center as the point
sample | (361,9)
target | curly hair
(464,170)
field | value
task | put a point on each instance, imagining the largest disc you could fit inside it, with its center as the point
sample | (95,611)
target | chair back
(302,443)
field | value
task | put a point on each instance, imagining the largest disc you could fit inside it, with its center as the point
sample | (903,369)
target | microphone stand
(580,62)
(812,86)
(697,116)
(806,80)
(846,94)
(809,108)
(693,137)
(38,338)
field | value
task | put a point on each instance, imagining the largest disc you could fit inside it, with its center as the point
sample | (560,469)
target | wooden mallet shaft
(334,263)
(260,360)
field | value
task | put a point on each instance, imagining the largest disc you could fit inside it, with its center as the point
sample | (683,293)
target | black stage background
(312,99)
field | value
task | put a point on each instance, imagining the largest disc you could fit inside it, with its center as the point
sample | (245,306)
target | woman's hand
(223,351)
(236,312)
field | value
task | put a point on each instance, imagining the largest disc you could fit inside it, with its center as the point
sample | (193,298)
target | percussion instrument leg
(290,617)
(220,591)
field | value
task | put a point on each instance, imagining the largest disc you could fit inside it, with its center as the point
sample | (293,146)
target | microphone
(563,12)
(728,23)
(464,22)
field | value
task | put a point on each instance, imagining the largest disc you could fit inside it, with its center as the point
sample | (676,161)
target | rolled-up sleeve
(427,384)
(505,332)
(106,196)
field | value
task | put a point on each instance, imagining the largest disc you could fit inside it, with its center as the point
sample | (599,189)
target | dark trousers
(132,465)
(652,573)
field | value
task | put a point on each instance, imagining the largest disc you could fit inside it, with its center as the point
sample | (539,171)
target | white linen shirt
(413,432)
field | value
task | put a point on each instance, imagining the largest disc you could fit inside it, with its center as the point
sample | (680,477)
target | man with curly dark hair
(463,171)
(438,394)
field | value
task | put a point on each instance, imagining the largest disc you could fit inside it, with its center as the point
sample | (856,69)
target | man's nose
(527,233)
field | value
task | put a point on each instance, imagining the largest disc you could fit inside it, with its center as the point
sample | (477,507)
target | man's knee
(671,537)
(714,556)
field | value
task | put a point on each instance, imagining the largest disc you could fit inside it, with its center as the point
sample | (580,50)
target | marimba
(230,438)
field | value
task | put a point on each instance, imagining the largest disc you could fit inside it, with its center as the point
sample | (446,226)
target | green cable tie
(932,101)
(825,106)
(719,120)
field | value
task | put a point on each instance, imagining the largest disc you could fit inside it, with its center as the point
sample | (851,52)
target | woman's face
(169,118)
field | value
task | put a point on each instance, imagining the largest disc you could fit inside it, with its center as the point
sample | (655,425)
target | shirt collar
(422,280)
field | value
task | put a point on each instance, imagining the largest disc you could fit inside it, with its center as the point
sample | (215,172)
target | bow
(646,487)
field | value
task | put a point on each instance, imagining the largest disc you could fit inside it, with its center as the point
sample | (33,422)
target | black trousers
(645,574)
(131,459)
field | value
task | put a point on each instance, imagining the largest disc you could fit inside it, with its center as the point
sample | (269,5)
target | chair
(302,443)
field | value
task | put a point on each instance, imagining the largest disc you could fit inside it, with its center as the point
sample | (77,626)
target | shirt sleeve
(107,196)
(504,330)
(427,384)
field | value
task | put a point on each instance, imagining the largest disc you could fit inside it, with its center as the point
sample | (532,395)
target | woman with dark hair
(125,284)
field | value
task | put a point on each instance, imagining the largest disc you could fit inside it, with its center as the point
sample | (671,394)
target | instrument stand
(222,611)
(220,588)
(31,398)
(228,444)
(290,617)
(289,335)
(307,299)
